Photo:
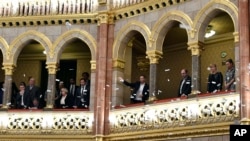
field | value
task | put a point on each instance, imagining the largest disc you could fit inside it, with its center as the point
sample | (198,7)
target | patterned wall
(25,69)
(169,68)
(212,54)
(177,57)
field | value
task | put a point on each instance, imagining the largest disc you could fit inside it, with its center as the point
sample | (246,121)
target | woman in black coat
(215,80)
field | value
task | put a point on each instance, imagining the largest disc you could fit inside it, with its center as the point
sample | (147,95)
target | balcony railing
(46,7)
(165,114)
(39,122)
(176,113)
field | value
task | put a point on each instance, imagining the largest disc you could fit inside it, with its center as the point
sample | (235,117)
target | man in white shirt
(82,95)
(140,89)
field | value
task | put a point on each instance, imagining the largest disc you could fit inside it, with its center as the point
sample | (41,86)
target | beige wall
(83,65)
(174,58)
(25,69)
(212,54)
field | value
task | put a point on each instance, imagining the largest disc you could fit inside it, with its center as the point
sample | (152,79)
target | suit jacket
(82,100)
(32,94)
(215,82)
(68,102)
(135,86)
(186,88)
(73,94)
(19,100)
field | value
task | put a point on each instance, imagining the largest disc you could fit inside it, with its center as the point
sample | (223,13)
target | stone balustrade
(46,7)
(41,122)
(176,113)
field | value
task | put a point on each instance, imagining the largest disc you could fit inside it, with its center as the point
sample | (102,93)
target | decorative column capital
(52,67)
(195,47)
(8,68)
(117,63)
(111,18)
(93,64)
(154,56)
(236,37)
(150,42)
(103,18)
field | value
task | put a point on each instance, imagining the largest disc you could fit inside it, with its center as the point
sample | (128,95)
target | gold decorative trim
(111,18)
(154,56)
(174,133)
(133,25)
(195,48)
(4,48)
(93,64)
(52,67)
(236,37)
(17,44)
(103,18)
(89,18)
(58,45)
(118,64)
(165,19)
(8,68)
(225,6)
(245,121)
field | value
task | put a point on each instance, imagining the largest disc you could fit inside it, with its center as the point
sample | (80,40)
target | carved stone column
(118,91)
(237,61)
(101,68)
(93,82)
(244,60)
(195,48)
(8,68)
(154,57)
(51,88)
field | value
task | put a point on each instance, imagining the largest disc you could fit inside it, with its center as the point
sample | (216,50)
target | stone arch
(4,48)
(207,13)
(162,26)
(59,44)
(19,43)
(122,39)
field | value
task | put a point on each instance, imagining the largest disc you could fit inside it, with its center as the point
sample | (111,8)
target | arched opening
(136,63)
(218,47)
(30,64)
(73,62)
(1,65)
(2,78)
(175,57)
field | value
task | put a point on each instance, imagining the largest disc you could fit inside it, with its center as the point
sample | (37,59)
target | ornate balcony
(174,117)
(209,113)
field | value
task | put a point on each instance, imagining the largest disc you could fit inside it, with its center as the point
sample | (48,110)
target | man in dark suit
(185,84)
(85,76)
(33,92)
(140,89)
(72,89)
(82,95)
